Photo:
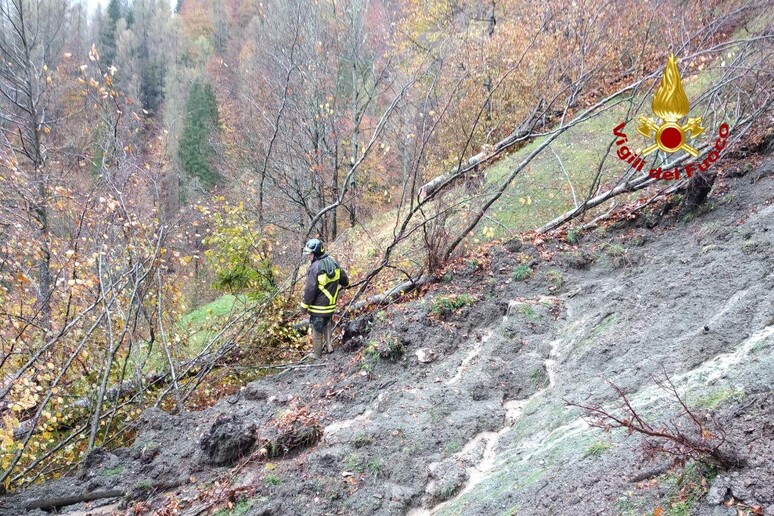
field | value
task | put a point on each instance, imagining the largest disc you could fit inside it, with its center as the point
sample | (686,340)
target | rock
(254,391)
(399,493)
(356,332)
(718,490)
(425,355)
(513,245)
(577,259)
(229,438)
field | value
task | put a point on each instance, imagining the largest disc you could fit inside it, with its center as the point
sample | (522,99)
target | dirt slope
(471,418)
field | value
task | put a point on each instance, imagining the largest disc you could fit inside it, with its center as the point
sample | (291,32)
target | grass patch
(375,468)
(700,210)
(369,357)
(596,449)
(111,472)
(239,509)
(444,305)
(143,485)
(629,505)
(272,480)
(353,462)
(573,236)
(711,400)
(527,311)
(452,447)
(617,254)
(217,309)
(686,487)
(605,324)
(543,191)
(521,272)
(537,378)
(750,246)
(556,278)
(447,491)
(361,440)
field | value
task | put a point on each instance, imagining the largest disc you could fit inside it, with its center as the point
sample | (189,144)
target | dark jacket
(323,282)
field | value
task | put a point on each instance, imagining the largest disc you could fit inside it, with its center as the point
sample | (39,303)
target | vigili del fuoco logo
(670,105)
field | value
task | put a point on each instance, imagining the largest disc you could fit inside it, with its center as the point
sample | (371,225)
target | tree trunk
(696,191)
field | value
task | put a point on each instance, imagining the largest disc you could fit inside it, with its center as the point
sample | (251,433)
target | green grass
(605,324)
(272,480)
(537,378)
(211,311)
(556,278)
(712,399)
(196,328)
(376,468)
(629,505)
(111,472)
(144,484)
(686,487)
(596,449)
(700,210)
(361,440)
(542,191)
(443,305)
(369,357)
(574,236)
(447,491)
(521,272)
(452,447)
(239,509)
(353,462)
(527,311)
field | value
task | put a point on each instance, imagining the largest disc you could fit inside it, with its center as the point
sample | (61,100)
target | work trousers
(322,333)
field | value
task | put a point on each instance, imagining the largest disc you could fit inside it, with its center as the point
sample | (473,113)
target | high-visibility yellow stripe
(320,310)
(323,279)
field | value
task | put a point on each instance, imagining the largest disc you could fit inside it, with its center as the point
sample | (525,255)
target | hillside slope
(464,412)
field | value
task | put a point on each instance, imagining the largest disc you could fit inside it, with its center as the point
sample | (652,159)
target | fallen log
(521,132)
(63,501)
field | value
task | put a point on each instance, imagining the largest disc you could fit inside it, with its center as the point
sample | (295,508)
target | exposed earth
(431,409)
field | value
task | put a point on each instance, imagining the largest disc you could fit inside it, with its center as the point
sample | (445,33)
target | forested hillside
(162,166)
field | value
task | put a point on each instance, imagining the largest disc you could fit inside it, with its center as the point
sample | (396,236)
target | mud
(482,428)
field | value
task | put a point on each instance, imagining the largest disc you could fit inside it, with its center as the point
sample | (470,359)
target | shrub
(618,255)
(352,462)
(272,480)
(239,255)
(556,278)
(376,467)
(527,311)
(573,236)
(443,305)
(521,272)
(447,491)
(361,440)
(369,357)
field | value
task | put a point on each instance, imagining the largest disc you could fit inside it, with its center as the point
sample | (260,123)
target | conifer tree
(201,121)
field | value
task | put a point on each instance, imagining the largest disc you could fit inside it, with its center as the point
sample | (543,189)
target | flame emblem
(670,104)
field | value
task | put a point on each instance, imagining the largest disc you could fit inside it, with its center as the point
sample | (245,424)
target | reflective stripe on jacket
(323,282)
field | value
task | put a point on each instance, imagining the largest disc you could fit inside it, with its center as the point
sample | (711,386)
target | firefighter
(323,283)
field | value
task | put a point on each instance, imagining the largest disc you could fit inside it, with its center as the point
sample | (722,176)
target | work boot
(328,332)
(317,340)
